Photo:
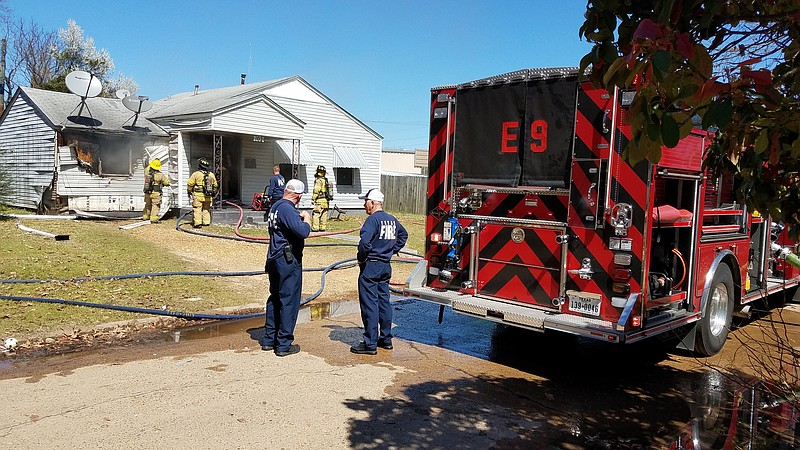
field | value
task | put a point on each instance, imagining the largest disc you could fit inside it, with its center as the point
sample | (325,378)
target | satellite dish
(83,84)
(137,104)
(122,93)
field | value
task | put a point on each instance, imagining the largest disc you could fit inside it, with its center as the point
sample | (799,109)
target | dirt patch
(217,254)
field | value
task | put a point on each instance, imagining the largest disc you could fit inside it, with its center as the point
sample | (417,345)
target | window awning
(348,157)
(283,153)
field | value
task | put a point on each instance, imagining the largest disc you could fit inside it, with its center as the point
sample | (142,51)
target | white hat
(372,194)
(295,186)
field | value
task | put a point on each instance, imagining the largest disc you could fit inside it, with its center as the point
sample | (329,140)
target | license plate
(584,305)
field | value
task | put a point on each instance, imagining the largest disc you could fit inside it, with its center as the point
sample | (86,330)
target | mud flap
(687,343)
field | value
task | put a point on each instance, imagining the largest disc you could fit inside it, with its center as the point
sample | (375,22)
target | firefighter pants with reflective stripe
(283,304)
(319,218)
(201,209)
(373,297)
(152,206)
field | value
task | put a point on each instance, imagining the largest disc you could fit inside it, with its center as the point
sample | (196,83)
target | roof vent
(196,88)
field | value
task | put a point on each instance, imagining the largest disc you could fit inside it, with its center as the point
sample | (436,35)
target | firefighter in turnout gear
(322,194)
(154,181)
(202,187)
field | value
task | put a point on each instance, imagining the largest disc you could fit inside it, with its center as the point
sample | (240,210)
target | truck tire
(713,328)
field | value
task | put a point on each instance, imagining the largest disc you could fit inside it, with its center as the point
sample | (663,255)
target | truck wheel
(714,326)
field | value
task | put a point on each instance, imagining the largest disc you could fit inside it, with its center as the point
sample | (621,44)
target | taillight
(621,288)
(436,238)
(621,275)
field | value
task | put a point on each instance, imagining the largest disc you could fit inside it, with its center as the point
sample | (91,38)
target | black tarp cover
(515,134)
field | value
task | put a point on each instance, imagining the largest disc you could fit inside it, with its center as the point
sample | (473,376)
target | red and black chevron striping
(525,269)
(592,123)
(626,185)
(439,169)
(521,206)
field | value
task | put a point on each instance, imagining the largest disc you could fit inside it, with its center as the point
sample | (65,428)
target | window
(345,176)
(103,155)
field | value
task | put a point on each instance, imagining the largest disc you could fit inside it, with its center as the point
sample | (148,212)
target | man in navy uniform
(276,185)
(382,236)
(288,229)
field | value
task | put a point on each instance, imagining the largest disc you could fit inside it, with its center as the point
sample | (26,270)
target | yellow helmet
(155,164)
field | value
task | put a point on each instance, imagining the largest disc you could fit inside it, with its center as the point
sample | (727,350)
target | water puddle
(617,397)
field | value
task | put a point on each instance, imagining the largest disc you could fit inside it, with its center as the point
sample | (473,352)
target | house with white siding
(245,130)
(64,154)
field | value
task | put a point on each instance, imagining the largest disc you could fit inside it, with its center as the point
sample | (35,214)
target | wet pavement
(465,383)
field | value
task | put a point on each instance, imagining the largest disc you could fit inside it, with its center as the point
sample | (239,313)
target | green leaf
(762,142)
(795,152)
(702,61)
(654,155)
(634,115)
(670,132)
(653,131)
(725,112)
(585,61)
(686,90)
(638,152)
(718,114)
(662,59)
(608,51)
(666,10)
(612,70)
(686,127)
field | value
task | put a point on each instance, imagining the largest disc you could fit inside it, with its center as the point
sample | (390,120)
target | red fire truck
(536,219)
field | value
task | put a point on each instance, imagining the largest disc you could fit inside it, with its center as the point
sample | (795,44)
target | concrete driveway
(462,384)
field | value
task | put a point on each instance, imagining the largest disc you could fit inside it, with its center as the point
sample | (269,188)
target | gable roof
(214,100)
(107,115)
(208,101)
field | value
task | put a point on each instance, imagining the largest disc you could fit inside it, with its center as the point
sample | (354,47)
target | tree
(76,52)
(32,61)
(42,59)
(734,67)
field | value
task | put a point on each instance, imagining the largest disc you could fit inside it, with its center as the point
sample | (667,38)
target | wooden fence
(404,193)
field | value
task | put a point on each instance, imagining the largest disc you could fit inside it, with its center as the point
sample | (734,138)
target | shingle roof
(187,103)
(104,114)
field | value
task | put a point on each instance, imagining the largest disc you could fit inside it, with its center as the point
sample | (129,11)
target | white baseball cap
(295,186)
(372,194)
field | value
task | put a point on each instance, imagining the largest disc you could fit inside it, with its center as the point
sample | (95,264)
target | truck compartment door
(584,194)
(521,263)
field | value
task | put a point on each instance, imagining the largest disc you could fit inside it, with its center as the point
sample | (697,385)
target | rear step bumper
(537,319)
(520,316)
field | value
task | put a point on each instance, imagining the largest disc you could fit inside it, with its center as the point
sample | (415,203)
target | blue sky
(376,59)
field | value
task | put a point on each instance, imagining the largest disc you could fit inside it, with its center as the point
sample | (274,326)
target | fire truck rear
(536,219)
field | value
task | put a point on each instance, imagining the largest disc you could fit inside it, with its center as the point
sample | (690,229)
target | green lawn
(98,248)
